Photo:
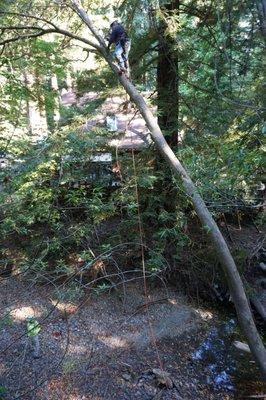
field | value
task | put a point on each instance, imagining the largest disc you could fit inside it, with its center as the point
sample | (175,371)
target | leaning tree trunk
(235,283)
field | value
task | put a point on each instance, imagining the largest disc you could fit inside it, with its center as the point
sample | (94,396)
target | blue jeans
(121,54)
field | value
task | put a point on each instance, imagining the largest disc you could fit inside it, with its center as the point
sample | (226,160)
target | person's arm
(112,38)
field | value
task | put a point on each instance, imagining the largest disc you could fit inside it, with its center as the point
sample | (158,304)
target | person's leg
(126,48)
(119,55)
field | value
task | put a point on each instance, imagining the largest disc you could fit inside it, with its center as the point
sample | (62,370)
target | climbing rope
(142,245)
(141,236)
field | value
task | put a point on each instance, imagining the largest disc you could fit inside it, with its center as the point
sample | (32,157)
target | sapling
(33,329)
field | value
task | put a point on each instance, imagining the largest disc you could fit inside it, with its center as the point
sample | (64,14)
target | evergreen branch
(232,101)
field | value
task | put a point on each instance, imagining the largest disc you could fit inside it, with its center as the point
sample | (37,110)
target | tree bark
(261,6)
(37,126)
(52,103)
(167,79)
(235,283)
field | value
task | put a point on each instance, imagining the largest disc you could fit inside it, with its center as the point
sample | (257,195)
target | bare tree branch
(42,32)
(29,16)
(19,27)
(55,30)
(78,38)
(25,37)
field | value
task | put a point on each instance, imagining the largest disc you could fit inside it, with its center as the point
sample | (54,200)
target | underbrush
(66,220)
(96,80)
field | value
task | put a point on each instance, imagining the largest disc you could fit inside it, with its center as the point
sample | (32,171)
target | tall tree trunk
(69,81)
(261,6)
(39,82)
(167,78)
(37,127)
(55,91)
(27,84)
(234,281)
(52,104)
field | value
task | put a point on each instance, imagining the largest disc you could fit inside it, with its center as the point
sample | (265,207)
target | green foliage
(33,327)
(76,114)
(27,78)
(3,392)
(224,168)
(95,80)
(102,287)
(70,293)
(55,202)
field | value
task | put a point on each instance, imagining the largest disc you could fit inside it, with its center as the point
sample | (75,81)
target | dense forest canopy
(73,205)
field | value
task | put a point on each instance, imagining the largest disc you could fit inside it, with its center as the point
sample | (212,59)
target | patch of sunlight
(69,308)
(2,369)
(195,22)
(172,301)
(233,133)
(205,314)
(244,24)
(114,342)
(181,134)
(77,349)
(22,313)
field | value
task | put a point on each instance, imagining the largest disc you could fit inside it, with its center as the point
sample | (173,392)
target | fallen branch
(142,307)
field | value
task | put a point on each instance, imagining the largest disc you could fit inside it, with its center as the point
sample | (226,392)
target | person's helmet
(114,23)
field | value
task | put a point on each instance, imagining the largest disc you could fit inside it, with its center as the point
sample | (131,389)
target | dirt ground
(102,347)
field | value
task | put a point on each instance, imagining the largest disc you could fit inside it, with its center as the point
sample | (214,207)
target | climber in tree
(119,37)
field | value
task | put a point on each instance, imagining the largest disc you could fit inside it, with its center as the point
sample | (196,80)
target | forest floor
(106,346)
